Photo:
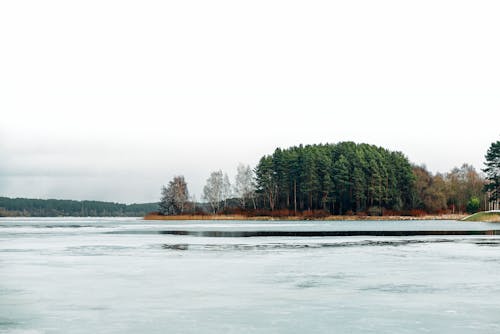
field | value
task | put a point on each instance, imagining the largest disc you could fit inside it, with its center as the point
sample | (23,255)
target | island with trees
(337,180)
(327,181)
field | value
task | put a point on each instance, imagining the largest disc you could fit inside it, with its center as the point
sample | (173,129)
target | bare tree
(244,185)
(174,197)
(462,184)
(193,203)
(213,190)
(226,189)
(217,190)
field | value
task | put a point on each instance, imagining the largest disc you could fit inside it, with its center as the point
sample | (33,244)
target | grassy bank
(293,218)
(491,217)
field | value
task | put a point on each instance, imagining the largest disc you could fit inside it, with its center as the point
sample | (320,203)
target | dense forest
(338,179)
(54,208)
(351,178)
(341,178)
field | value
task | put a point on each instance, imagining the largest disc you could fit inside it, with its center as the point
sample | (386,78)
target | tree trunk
(295,196)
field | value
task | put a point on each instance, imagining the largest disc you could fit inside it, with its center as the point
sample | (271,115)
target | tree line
(339,179)
(343,178)
(54,208)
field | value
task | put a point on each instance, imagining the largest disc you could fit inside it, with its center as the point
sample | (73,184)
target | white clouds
(154,88)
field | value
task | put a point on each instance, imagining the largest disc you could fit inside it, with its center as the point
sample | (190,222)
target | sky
(108,100)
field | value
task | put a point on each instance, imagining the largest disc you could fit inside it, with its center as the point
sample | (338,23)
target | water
(91,275)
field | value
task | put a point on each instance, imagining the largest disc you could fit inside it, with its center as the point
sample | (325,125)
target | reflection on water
(125,276)
(378,233)
(291,245)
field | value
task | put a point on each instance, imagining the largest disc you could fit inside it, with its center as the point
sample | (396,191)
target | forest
(339,179)
(335,178)
(318,180)
(26,207)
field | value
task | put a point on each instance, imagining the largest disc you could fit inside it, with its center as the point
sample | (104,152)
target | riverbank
(488,217)
(294,218)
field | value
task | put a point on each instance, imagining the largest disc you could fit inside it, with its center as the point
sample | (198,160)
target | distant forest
(54,208)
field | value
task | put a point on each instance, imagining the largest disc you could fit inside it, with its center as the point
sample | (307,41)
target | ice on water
(79,276)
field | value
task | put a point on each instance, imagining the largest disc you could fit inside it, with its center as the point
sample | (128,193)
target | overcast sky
(109,100)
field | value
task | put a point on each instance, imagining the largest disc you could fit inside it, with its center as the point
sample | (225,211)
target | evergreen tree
(309,184)
(266,182)
(358,188)
(326,186)
(473,205)
(342,181)
(492,171)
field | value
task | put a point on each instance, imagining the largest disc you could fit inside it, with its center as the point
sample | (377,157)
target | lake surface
(87,275)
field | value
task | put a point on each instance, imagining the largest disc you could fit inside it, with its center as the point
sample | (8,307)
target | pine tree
(266,182)
(342,180)
(492,171)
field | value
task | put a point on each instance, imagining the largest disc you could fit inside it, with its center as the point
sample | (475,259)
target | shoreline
(484,216)
(298,218)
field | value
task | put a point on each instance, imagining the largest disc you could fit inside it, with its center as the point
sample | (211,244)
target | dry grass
(488,217)
(195,217)
(292,218)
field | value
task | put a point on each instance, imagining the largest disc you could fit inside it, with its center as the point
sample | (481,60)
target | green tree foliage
(492,171)
(473,205)
(335,178)
(267,181)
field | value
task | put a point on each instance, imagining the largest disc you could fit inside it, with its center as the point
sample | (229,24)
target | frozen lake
(87,275)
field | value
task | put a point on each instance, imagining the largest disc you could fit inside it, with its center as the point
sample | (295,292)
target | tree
(174,197)
(165,201)
(213,192)
(462,184)
(266,182)
(326,185)
(341,179)
(430,190)
(473,205)
(435,196)
(309,178)
(244,186)
(492,171)
(226,189)
(358,188)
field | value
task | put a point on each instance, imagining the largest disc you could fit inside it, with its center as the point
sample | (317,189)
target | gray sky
(108,100)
